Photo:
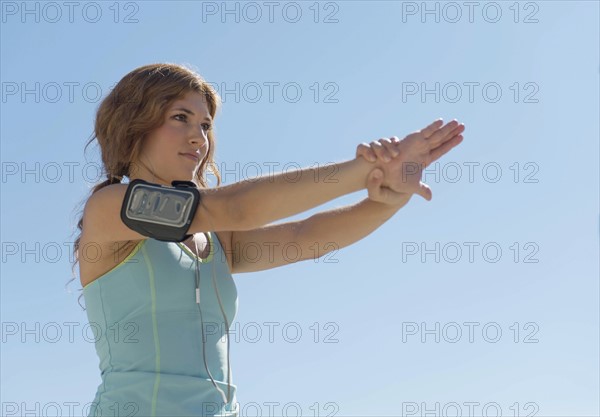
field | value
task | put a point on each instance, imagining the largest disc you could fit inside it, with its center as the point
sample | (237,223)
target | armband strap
(159,211)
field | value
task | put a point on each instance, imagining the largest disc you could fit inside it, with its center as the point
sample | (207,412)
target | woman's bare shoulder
(102,216)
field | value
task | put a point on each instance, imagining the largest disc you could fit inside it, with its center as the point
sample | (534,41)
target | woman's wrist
(351,174)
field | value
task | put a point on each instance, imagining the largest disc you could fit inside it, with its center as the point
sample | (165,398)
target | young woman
(152,315)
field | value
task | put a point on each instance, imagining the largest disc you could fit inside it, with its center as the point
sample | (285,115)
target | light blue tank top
(147,333)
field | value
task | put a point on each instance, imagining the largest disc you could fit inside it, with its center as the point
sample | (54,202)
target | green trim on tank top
(154,329)
(133,252)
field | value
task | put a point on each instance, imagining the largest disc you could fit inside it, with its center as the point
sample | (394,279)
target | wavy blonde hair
(136,106)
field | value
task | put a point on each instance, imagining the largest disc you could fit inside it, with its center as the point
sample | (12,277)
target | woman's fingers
(445,133)
(436,135)
(424,191)
(382,150)
(366,152)
(445,147)
(429,130)
(391,149)
(449,135)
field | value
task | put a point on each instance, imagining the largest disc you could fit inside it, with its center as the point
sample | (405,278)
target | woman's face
(162,158)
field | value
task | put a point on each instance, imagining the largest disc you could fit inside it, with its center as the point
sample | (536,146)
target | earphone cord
(202,323)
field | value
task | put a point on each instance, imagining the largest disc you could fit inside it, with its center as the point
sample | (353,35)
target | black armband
(159,211)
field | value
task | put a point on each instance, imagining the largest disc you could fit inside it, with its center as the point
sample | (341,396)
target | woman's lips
(190,156)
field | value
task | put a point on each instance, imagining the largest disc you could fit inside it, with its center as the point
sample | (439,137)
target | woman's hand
(384,150)
(415,152)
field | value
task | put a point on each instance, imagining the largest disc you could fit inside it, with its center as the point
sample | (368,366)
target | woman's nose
(199,138)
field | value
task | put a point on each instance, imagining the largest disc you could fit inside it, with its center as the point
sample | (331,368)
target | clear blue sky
(523,78)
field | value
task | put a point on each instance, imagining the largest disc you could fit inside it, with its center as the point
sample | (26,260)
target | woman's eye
(205,126)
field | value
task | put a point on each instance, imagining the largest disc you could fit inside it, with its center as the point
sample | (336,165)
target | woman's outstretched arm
(282,244)
(255,202)
(277,245)
(335,229)
(258,201)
